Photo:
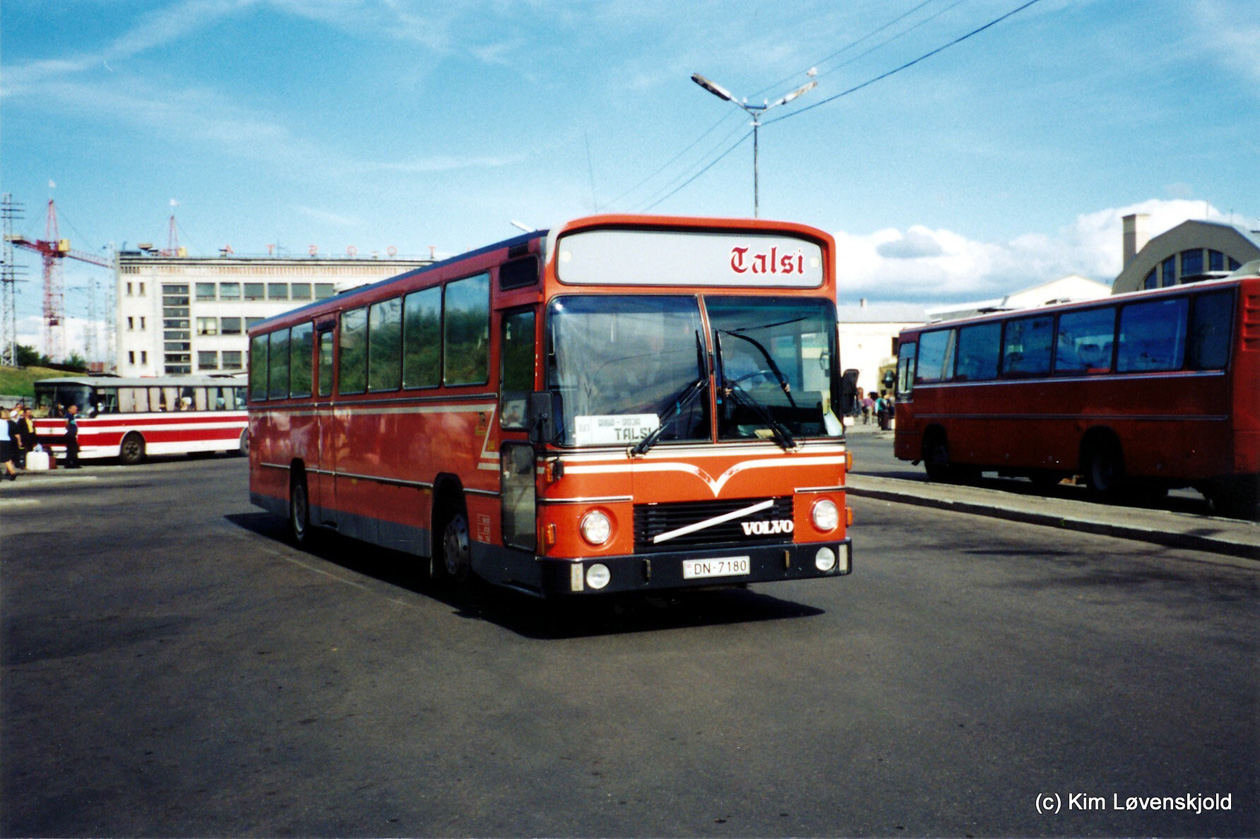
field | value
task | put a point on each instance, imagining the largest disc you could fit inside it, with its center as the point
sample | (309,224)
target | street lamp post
(754,111)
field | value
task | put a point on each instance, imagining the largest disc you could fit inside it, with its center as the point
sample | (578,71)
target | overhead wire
(905,66)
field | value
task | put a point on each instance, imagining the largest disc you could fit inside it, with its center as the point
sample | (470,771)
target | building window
(129,292)
(131,324)
(230,326)
(131,356)
(253,291)
(277,291)
(1192,262)
(232,360)
(1216,261)
(323,290)
(144,356)
(1168,272)
(205,291)
(250,323)
(1150,281)
(207,326)
(207,360)
(229,291)
(301,291)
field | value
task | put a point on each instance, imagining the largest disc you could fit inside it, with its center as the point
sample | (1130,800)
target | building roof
(866,312)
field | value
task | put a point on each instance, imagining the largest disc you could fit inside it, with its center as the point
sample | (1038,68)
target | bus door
(517,342)
(320,484)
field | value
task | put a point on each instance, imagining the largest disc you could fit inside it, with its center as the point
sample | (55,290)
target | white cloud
(925,265)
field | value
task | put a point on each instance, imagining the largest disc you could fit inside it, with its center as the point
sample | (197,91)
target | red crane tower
(54,249)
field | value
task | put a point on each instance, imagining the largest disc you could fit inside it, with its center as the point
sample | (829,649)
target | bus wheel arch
(298,527)
(1102,461)
(936,454)
(451,554)
(131,449)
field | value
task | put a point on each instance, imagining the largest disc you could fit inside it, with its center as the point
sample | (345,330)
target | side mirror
(848,392)
(542,417)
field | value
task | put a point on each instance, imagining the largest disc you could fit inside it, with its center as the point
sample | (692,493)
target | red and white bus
(626,403)
(1142,392)
(132,418)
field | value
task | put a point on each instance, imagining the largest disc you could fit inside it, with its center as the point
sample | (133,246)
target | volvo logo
(767,528)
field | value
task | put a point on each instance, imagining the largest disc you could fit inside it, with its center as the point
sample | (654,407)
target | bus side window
(1084,341)
(516,375)
(1026,346)
(1210,328)
(1152,336)
(978,349)
(905,369)
(325,340)
(936,356)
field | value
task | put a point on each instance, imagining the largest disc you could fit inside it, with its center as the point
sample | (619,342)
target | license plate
(733,566)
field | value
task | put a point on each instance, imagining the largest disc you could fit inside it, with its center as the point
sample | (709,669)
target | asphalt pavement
(1191,531)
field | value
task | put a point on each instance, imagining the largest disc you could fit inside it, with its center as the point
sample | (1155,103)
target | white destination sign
(677,258)
(620,429)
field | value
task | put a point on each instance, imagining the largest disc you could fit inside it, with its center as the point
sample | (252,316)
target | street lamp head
(716,89)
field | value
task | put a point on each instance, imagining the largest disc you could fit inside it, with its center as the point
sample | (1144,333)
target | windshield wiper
(682,403)
(731,388)
(781,435)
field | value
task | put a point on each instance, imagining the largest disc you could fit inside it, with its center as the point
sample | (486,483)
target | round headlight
(598,576)
(596,528)
(825,559)
(826,515)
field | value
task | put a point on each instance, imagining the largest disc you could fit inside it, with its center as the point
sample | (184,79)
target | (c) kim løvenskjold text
(1189,801)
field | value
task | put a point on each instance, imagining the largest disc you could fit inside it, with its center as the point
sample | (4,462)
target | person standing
(72,437)
(6,445)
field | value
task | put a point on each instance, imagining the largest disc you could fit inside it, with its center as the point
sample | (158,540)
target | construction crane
(54,249)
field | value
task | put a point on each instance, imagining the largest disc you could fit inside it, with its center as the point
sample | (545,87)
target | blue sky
(1004,160)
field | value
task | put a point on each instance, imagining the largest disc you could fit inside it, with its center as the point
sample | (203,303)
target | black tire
(243,447)
(299,525)
(1103,468)
(131,451)
(456,547)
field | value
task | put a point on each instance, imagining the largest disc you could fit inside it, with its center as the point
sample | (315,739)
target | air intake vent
(771,524)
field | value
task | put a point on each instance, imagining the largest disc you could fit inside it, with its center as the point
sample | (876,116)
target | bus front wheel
(456,551)
(1104,468)
(131,451)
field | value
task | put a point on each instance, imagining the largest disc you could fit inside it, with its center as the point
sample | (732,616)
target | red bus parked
(132,418)
(1141,392)
(627,403)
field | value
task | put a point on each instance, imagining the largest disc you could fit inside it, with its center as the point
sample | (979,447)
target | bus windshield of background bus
(622,366)
(54,400)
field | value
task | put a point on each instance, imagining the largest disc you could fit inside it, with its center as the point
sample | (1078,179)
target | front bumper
(663,571)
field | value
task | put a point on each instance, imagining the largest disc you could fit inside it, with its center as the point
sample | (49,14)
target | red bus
(1141,392)
(626,403)
(132,418)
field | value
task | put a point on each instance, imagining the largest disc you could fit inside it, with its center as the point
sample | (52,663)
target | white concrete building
(868,337)
(179,314)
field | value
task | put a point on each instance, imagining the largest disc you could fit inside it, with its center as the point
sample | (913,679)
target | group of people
(18,438)
(880,408)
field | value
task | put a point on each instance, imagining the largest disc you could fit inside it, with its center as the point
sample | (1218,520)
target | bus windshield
(54,399)
(628,368)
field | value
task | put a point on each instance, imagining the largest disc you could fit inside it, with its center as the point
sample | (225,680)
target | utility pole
(10,276)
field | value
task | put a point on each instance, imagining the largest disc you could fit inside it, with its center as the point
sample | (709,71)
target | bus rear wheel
(299,529)
(131,451)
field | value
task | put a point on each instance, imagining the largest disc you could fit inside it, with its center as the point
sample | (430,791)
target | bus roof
(548,241)
(234,380)
(1249,271)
